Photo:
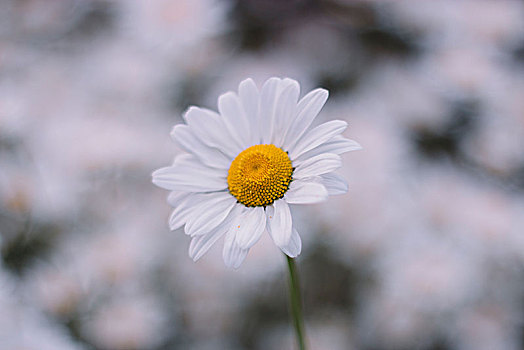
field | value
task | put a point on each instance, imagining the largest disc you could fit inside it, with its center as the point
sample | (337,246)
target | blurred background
(426,251)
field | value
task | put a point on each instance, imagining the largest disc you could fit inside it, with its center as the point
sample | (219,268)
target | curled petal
(279,222)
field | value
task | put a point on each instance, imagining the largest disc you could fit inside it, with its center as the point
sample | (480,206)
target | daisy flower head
(247,163)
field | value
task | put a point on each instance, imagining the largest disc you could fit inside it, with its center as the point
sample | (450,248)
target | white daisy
(247,163)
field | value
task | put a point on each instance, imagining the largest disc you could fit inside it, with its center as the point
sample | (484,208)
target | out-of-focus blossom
(172,26)
(378,193)
(488,326)
(23,327)
(449,23)
(141,323)
(57,291)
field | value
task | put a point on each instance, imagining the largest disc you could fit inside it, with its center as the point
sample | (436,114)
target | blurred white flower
(503,155)
(128,322)
(171,27)
(58,291)
(487,326)
(246,164)
(23,326)
(449,22)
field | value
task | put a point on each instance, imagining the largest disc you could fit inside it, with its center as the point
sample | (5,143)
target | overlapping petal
(279,222)
(285,107)
(306,111)
(305,192)
(178,179)
(268,95)
(201,244)
(188,174)
(211,212)
(317,165)
(337,145)
(317,136)
(235,119)
(211,129)
(275,98)
(210,156)
(232,253)
(294,246)
(184,206)
(249,226)
(334,183)
(250,99)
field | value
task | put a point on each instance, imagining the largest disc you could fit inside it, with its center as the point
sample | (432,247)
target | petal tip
(247,81)
(324,92)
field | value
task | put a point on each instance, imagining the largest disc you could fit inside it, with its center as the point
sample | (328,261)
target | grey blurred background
(426,251)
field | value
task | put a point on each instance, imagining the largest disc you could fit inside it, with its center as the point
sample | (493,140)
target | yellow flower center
(260,175)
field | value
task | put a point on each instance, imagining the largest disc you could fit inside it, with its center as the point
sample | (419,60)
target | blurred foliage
(445,141)
(29,246)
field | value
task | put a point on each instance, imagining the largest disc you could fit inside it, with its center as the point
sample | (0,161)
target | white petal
(200,244)
(234,117)
(334,183)
(183,210)
(210,128)
(317,136)
(211,212)
(233,255)
(249,226)
(189,161)
(176,178)
(212,157)
(249,96)
(279,222)
(285,109)
(302,192)
(268,97)
(294,247)
(307,109)
(337,145)
(318,165)
(175,197)
(190,175)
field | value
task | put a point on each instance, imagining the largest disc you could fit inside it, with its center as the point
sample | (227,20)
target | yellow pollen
(260,175)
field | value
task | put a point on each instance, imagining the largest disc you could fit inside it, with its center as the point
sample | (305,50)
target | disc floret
(260,175)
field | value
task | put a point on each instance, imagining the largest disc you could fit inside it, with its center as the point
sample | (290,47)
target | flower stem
(296,303)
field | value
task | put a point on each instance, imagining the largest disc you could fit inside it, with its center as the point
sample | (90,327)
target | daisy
(247,163)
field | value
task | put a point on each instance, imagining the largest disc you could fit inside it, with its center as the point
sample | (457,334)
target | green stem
(296,303)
